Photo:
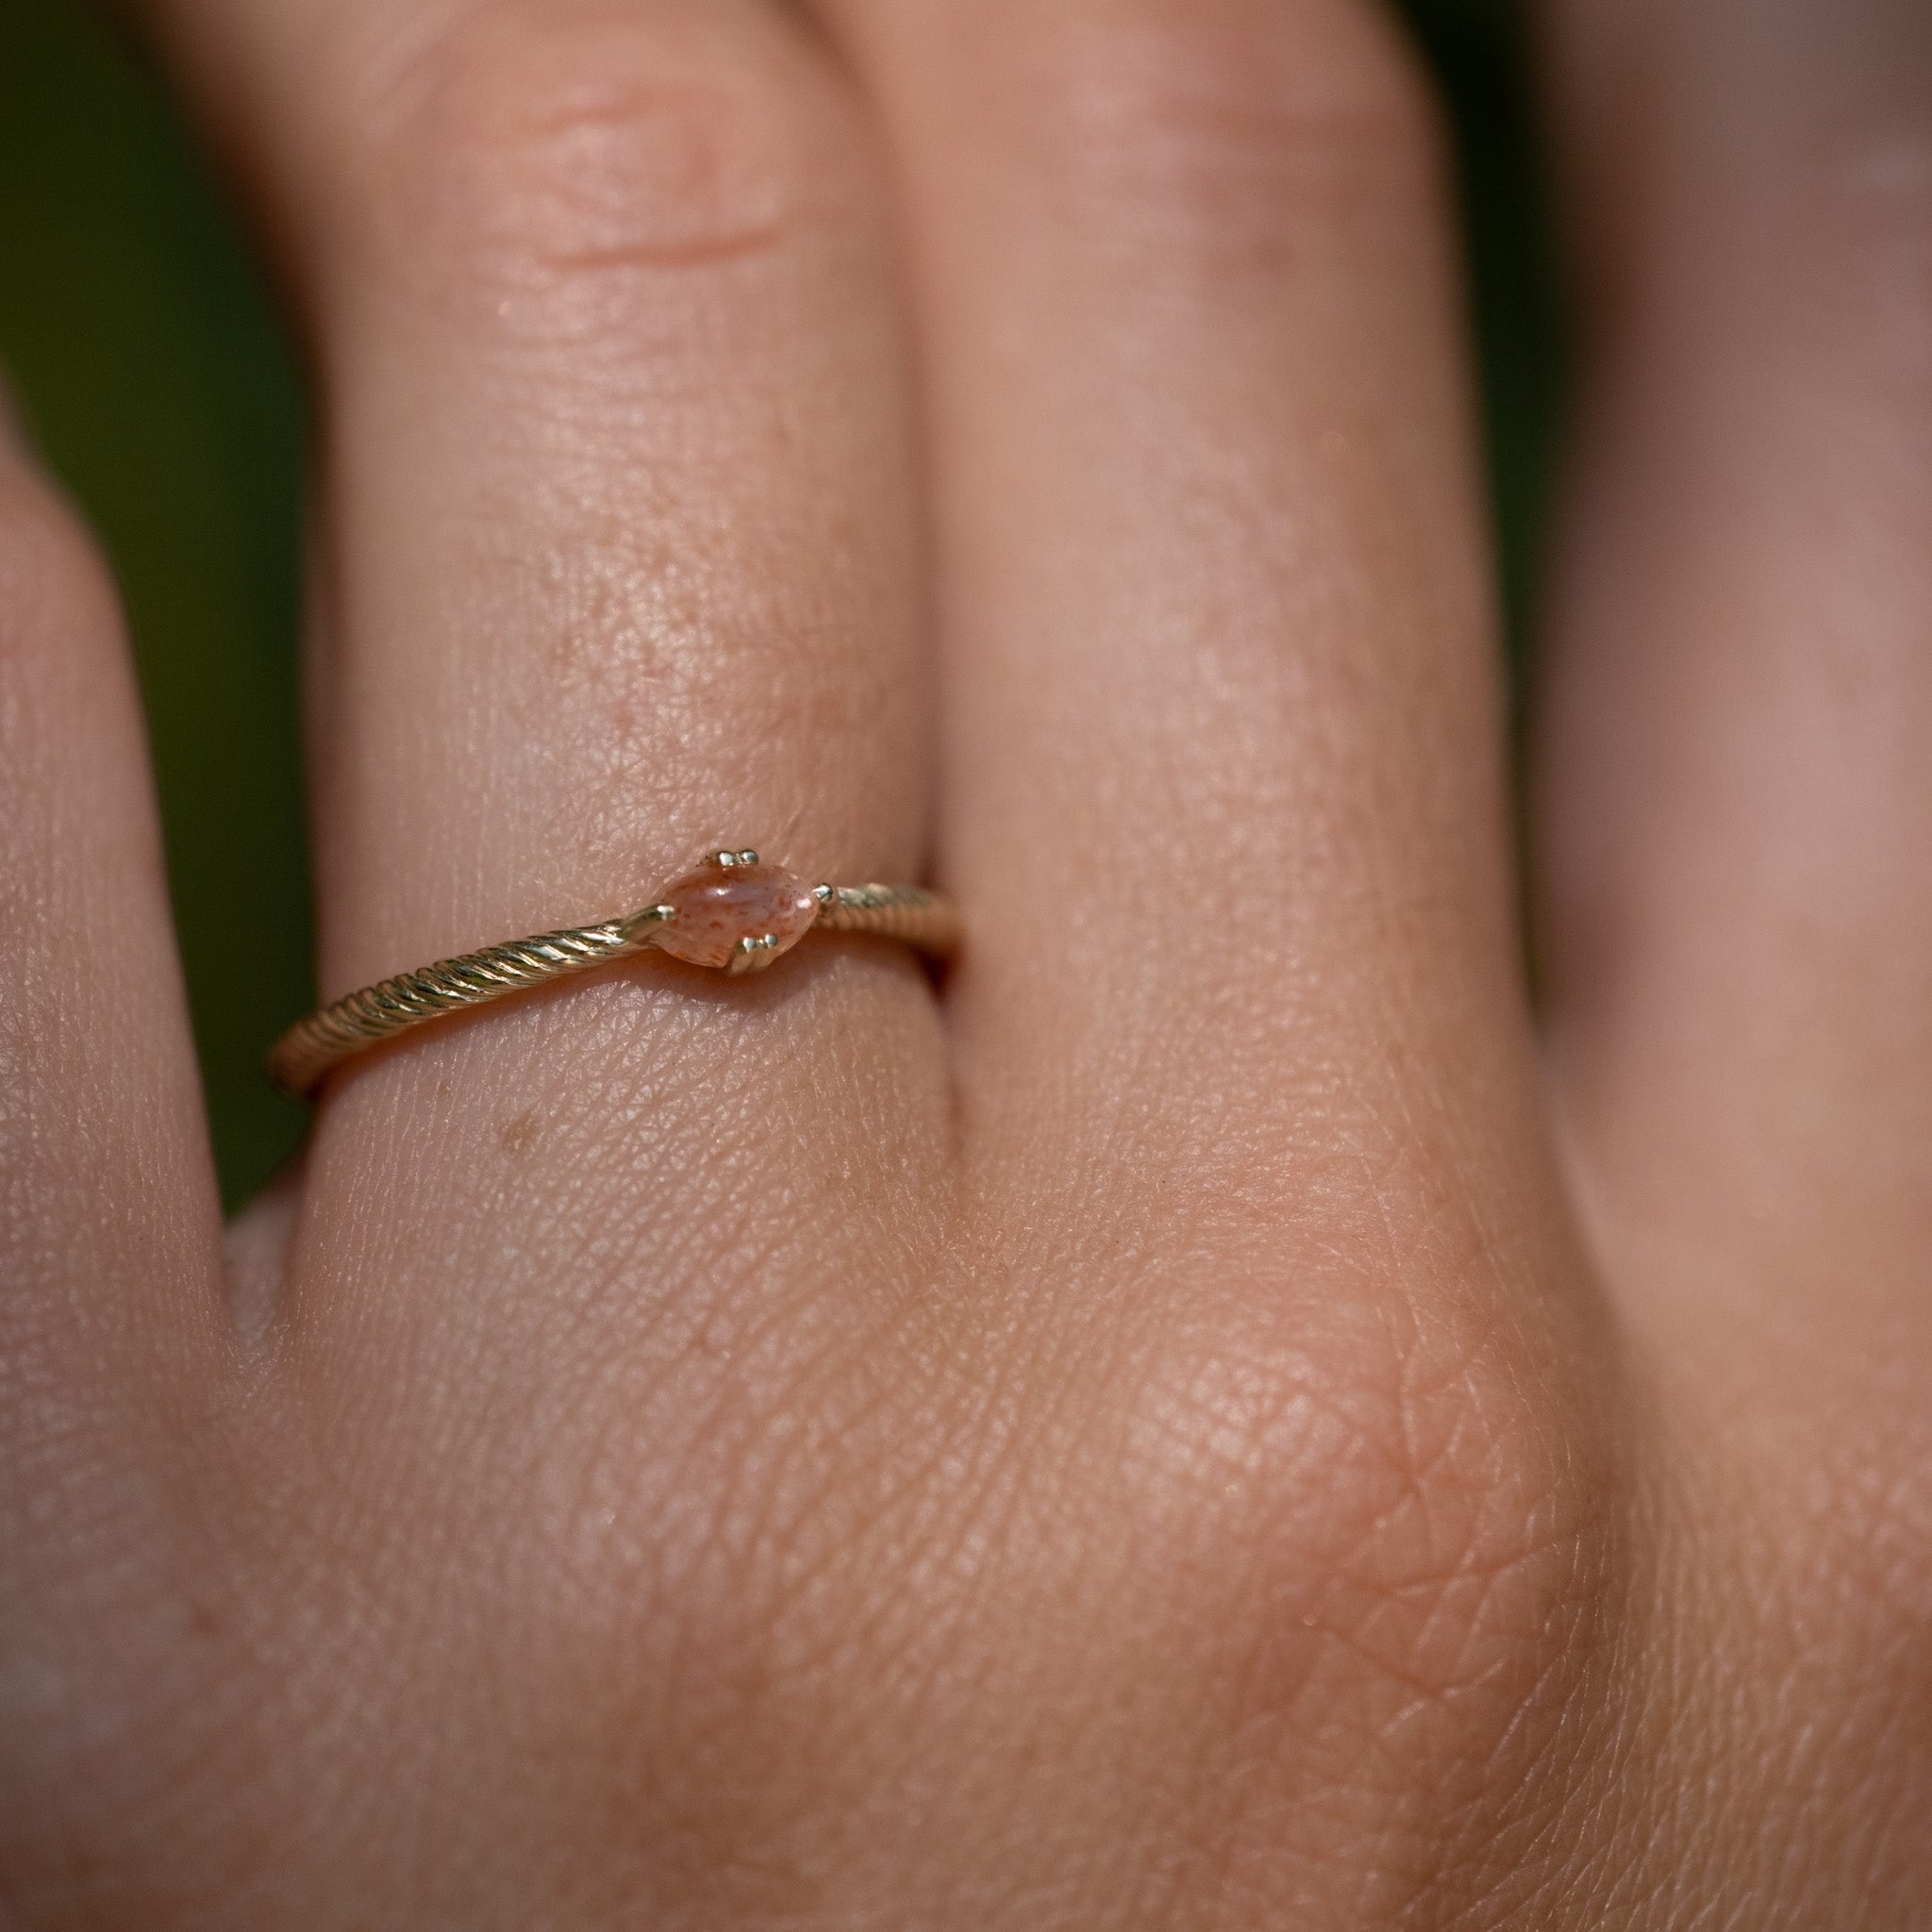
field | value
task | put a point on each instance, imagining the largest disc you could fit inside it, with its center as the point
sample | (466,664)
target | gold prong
(752,954)
(639,922)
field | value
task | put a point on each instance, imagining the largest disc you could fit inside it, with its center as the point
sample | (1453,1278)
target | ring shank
(927,921)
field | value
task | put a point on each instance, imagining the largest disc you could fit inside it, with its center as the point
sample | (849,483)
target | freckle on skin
(517,1133)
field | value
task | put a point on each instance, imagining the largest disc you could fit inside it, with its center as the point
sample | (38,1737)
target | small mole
(518,1132)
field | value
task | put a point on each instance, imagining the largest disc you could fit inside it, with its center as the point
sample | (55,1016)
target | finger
(1737,793)
(108,1225)
(1222,690)
(618,563)
(1246,1060)
(111,1285)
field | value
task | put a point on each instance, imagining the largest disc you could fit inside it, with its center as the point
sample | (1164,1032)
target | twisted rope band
(307,1050)
(905,914)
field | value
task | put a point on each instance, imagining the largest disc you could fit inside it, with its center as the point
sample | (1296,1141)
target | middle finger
(1222,693)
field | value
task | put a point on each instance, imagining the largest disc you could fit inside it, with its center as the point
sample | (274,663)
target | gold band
(738,915)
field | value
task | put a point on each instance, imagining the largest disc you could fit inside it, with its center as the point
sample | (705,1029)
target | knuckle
(538,147)
(1412,1489)
(1397,1526)
(1231,117)
(703,1597)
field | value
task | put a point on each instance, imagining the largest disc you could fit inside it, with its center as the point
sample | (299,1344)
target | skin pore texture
(1215,1414)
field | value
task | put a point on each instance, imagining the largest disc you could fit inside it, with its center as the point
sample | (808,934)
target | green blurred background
(153,374)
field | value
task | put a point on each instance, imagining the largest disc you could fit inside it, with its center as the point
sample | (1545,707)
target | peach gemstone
(716,908)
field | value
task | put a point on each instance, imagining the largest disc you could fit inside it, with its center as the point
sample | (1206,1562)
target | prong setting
(641,922)
(753,954)
(734,914)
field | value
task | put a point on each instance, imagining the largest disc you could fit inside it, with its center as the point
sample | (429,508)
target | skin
(1218,1416)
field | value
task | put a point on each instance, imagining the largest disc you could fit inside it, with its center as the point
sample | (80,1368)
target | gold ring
(731,912)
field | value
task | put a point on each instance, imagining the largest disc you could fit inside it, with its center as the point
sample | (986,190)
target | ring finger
(615,561)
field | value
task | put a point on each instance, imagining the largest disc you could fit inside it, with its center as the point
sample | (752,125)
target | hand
(1210,1418)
